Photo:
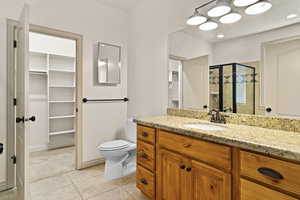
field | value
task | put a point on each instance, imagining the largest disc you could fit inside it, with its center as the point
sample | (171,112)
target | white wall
(187,46)
(248,48)
(150,24)
(95,22)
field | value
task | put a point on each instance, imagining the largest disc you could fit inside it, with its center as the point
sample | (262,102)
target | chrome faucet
(217,117)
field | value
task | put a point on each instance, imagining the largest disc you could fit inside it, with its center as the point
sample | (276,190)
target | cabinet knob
(144,155)
(270,173)
(144,181)
(188,169)
(144,134)
(182,166)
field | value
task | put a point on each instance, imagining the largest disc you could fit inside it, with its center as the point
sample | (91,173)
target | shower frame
(221,79)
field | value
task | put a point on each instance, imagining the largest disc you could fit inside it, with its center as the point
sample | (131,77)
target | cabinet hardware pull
(182,166)
(144,155)
(269,110)
(188,169)
(270,172)
(144,134)
(144,181)
(187,145)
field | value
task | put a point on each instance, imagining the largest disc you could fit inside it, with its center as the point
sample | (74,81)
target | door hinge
(14,159)
(15,43)
(77,110)
(15,101)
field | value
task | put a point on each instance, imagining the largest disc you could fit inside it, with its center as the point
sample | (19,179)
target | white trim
(91,163)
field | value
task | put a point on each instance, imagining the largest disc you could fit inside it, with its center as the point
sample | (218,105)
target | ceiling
(274,18)
(125,5)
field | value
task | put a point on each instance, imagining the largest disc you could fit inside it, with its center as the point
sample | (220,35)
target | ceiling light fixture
(230,18)
(258,8)
(220,36)
(244,3)
(292,16)
(208,26)
(221,8)
(196,19)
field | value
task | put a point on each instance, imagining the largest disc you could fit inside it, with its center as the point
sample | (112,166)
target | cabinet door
(174,182)
(210,183)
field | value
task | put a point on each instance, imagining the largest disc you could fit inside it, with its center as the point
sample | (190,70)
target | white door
(22,87)
(281,78)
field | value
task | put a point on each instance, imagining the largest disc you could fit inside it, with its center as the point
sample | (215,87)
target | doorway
(54,102)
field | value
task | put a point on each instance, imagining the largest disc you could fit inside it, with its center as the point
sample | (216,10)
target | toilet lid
(113,145)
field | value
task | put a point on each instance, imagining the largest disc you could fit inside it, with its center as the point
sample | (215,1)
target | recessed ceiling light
(221,8)
(292,16)
(258,8)
(207,26)
(220,36)
(196,19)
(243,3)
(230,18)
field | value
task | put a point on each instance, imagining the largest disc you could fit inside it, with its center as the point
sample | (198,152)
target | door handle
(1,148)
(23,119)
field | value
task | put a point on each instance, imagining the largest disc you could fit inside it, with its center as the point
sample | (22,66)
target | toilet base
(115,169)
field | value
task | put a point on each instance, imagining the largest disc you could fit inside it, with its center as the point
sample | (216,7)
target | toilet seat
(113,145)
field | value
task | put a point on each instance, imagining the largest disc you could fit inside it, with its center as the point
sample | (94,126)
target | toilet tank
(131,130)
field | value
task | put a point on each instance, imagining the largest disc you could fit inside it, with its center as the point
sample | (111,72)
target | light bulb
(258,8)
(207,26)
(230,18)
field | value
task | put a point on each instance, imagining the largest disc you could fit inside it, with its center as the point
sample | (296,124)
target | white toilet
(120,155)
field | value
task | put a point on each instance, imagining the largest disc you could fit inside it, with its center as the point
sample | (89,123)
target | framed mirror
(107,64)
(238,62)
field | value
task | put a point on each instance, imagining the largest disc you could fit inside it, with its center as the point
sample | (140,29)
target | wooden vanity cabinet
(176,167)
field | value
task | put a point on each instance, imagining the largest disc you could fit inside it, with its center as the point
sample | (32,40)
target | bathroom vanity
(177,162)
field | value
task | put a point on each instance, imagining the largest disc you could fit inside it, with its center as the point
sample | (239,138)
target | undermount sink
(205,127)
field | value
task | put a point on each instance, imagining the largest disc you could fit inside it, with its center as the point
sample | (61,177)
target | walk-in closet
(52,91)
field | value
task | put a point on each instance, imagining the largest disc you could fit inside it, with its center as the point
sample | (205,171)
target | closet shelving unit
(52,78)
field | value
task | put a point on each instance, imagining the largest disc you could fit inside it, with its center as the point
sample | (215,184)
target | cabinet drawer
(253,191)
(214,154)
(146,134)
(146,155)
(278,173)
(145,181)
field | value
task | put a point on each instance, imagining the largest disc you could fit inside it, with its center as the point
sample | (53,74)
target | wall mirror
(107,64)
(242,60)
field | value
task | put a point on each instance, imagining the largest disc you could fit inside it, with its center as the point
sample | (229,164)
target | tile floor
(53,178)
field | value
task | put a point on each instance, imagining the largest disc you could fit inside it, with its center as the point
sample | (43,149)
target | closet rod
(85,100)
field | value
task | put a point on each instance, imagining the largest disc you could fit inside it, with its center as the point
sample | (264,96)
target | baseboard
(38,148)
(4,186)
(92,163)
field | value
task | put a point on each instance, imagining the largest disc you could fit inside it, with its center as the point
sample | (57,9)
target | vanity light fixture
(196,19)
(292,16)
(208,26)
(244,3)
(222,8)
(258,8)
(230,18)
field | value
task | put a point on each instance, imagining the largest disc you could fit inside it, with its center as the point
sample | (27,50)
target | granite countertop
(283,144)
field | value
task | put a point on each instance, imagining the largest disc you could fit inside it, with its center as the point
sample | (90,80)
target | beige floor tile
(77,175)
(93,186)
(64,193)
(49,185)
(8,195)
(116,194)
(134,191)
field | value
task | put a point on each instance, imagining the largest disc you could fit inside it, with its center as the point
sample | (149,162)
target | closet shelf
(61,70)
(62,132)
(61,101)
(62,86)
(62,117)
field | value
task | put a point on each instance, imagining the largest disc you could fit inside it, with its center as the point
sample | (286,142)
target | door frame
(11,25)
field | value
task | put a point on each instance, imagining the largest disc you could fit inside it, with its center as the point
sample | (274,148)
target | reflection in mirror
(249,66)
(108,64)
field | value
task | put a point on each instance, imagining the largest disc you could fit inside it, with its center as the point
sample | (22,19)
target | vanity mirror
(244,60)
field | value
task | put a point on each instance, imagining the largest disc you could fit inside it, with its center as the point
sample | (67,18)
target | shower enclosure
(232,88)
